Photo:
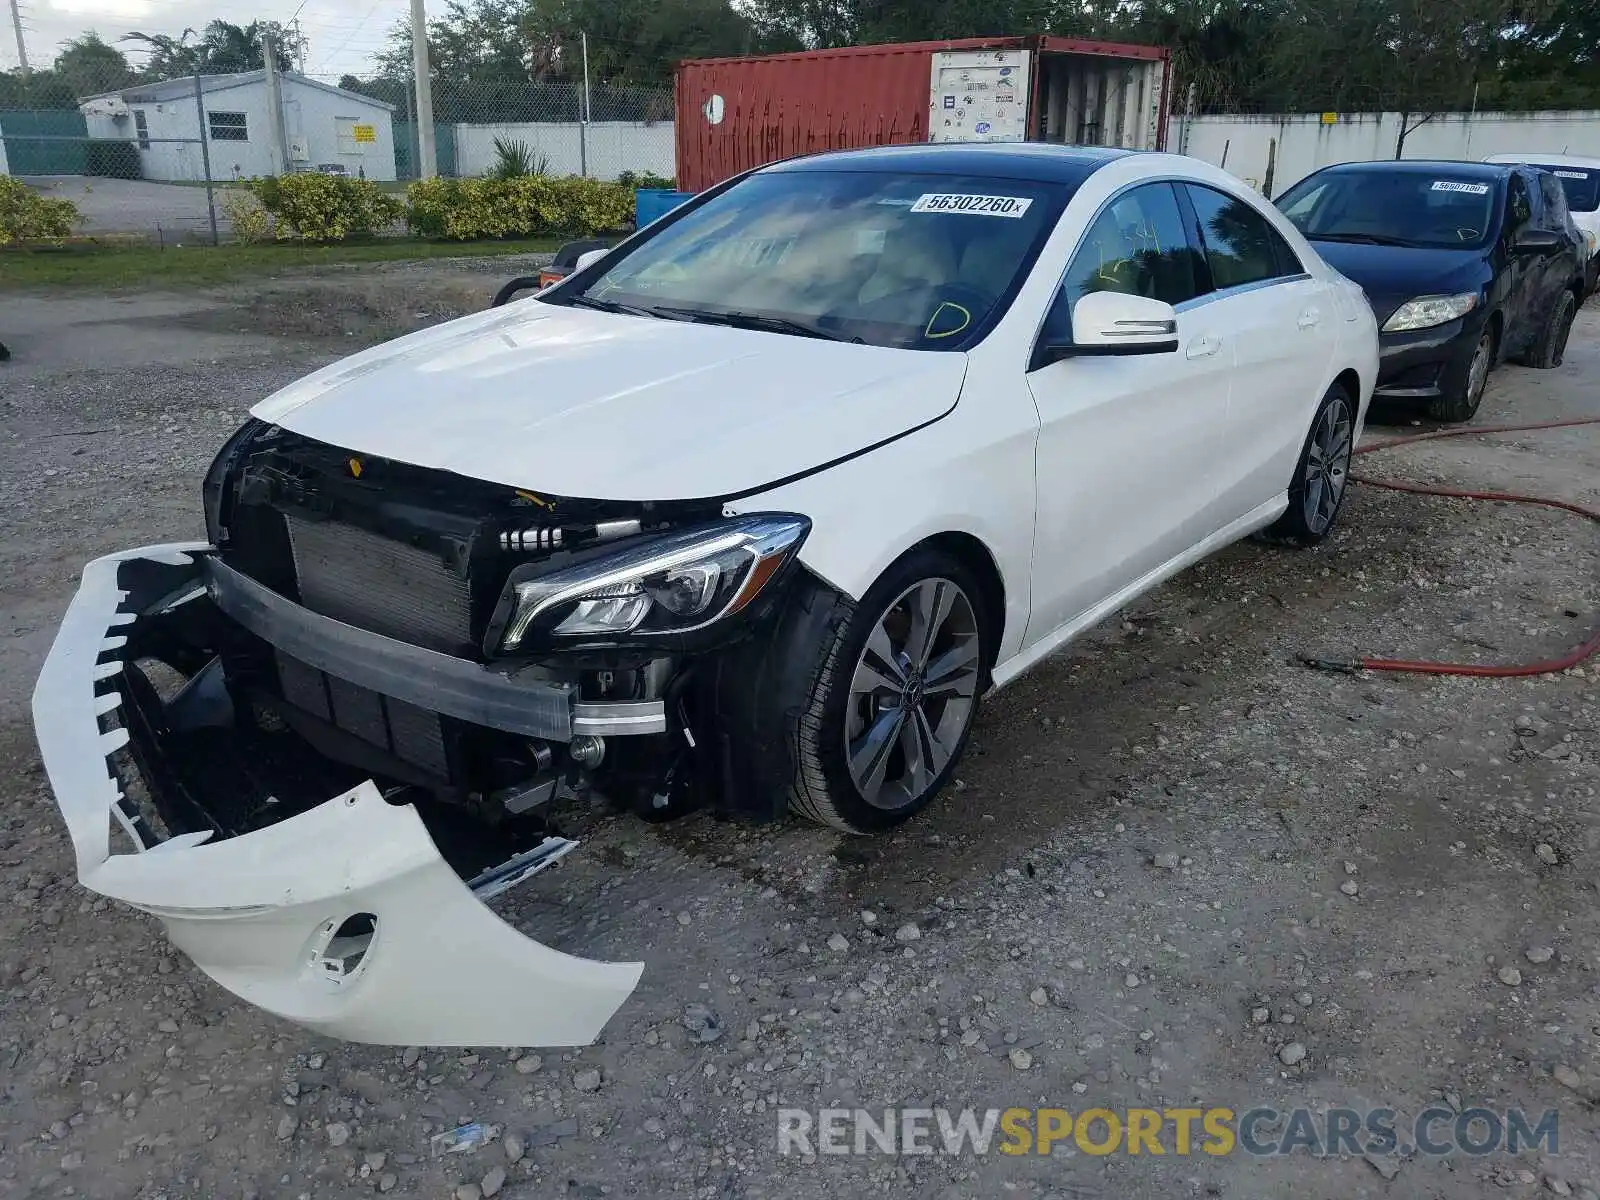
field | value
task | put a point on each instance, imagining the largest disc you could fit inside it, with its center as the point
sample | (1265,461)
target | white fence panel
(1304,142)
(612,146)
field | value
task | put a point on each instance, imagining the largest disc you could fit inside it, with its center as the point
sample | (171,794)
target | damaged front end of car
(338,728)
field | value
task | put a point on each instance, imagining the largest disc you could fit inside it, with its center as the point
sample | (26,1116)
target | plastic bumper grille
(406,731)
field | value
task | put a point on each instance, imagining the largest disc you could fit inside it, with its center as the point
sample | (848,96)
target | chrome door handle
(1310,318)
(1203,346)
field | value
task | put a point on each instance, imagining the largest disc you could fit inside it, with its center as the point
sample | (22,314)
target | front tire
(1462,403)
(1322,475)
(1551,347)
(894,698)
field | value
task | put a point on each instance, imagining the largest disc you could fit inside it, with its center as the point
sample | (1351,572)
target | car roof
(1534,159)
(1040,161)
(1426,166)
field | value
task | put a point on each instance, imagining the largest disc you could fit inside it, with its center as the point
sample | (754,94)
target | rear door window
(1241,245)
(1553,201)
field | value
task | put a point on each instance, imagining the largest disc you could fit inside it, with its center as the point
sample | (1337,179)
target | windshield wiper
(1370,239)
(743,320)
(632,310)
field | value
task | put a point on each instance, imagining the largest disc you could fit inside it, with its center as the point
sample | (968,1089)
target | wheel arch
(1350,380)
(972,553)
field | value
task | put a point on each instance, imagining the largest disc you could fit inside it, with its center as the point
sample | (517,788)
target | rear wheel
(1462,403)
(1551,347)
(1322,476)
(892,706)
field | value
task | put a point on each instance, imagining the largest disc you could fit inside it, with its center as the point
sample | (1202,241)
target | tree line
(520,59)
(88,65)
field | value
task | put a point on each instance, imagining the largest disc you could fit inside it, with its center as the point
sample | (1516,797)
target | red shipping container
(737,113)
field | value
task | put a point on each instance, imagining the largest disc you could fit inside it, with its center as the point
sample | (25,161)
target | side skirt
(1257,518)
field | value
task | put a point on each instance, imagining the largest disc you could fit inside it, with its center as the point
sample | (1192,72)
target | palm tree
(169,56)
(222,49)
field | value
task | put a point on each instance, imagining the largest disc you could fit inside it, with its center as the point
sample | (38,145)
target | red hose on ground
(1571,659)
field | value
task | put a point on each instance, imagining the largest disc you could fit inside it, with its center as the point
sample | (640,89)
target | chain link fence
(140,167)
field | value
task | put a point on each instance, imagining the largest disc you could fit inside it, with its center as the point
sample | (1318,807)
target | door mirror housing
(1116,323)
(589,257)
(1537,241)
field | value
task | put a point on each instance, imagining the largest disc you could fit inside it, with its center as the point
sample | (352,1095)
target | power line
(371,12)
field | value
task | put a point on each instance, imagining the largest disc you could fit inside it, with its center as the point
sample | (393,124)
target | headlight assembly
(674,584)
(1427,311)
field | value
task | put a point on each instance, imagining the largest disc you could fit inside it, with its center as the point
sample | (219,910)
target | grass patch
(113,266)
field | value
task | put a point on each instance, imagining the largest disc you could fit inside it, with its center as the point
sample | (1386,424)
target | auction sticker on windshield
(1450,185)
(978,206)
(1571,175)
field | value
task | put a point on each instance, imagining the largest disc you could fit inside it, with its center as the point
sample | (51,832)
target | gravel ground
(1178,870)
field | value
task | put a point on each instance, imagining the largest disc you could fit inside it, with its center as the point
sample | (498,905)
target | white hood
(574,402)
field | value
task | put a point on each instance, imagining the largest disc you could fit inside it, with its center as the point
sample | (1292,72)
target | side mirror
(1537,241)
(589,257)
(1115,323)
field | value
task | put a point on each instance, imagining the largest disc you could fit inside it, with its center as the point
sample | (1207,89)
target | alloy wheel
(1478,370)
(1327,465)
(1569,315)
(912,694)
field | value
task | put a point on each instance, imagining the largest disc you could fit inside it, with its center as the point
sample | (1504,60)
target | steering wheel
(951,308)
(1465,234)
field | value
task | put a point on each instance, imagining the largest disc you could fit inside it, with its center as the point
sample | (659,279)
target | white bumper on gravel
(262,913)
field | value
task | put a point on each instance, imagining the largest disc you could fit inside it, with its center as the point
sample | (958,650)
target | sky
(343,34)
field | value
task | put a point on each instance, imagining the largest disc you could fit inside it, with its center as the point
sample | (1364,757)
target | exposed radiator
(380,584)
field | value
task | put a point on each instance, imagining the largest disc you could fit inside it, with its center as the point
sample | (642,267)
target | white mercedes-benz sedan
(748,513)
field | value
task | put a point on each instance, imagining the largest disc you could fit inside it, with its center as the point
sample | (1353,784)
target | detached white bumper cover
(257,912)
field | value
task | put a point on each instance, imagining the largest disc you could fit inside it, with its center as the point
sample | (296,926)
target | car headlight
(674,584)
(1427,311)
(1591,242)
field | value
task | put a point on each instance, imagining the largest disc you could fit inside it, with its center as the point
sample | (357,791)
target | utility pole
(278,143)
(583,116)
(427,154)
(1471,121)
(22,46)
(299,44)
(1188,120)
(205,156)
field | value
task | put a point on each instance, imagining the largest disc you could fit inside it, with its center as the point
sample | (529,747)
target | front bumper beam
(344,918)
(539,708)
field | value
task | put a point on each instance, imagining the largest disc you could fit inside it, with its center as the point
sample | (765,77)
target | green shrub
(648,180)
(468,209)
(250,221)
(113,160)
(327,208)
(515,160)
(26,216)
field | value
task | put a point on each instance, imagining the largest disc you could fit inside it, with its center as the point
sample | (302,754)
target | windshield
(1581,184)
(1392,208)
(919,261)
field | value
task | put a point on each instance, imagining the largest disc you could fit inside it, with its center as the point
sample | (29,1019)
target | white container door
(979,96)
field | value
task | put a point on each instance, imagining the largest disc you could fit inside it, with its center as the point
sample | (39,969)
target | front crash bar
(272,915)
